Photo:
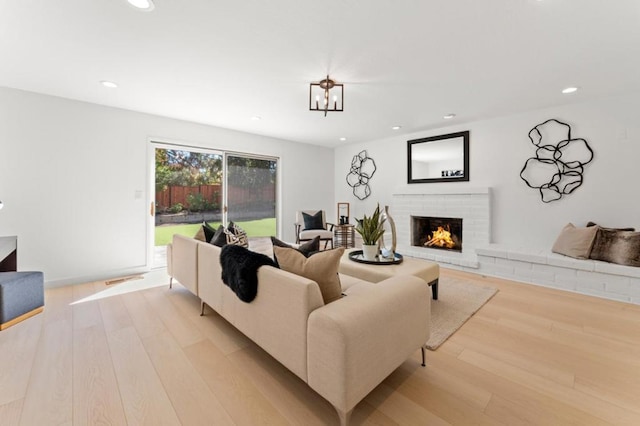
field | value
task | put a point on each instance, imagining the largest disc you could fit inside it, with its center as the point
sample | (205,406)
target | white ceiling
(403,62)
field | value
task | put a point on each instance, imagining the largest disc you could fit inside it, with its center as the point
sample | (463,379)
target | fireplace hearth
(443,233)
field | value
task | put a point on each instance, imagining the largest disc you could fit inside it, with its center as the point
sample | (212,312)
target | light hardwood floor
(530,356)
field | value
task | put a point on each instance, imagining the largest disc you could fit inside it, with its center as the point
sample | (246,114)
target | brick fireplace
(469,206)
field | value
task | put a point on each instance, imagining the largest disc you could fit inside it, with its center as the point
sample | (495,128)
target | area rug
(457,301)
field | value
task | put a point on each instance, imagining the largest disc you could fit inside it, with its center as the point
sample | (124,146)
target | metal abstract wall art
(362,169)
(558,165)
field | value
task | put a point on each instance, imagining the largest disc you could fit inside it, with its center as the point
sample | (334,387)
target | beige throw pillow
(575,242)
(200,235)
(322,268)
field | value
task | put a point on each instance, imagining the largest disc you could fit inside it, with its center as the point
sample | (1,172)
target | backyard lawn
(254,228)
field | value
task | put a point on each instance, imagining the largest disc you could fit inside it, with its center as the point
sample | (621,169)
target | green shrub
(176,208)
(196,202)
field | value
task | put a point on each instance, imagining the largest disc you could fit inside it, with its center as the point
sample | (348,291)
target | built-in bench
(592,277)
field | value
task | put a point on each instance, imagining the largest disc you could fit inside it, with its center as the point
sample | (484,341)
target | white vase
(369,252)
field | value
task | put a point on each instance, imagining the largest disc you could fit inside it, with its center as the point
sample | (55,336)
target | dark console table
(8,254)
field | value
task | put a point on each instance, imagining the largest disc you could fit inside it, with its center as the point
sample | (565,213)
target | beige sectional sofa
(342,350)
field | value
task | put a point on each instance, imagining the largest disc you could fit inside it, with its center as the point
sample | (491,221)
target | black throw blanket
(240,270)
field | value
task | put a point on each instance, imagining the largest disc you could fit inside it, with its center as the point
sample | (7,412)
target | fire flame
(440,238)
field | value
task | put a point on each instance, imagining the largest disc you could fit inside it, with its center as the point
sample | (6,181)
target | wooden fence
(237,196)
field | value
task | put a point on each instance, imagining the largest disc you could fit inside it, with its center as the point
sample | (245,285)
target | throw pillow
(322,268)
(575,242)
(200,235)
(313,221)
(621,247)
(236,235)
(208,231)
(240,270)
(589,224)
(307,248)
(219,238)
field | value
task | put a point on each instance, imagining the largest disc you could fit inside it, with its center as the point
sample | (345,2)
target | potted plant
(371,229)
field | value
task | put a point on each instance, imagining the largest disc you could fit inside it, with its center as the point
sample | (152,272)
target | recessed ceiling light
(109,84)
(396,128)
(256,118)
(145,5)
(449,116)
(569,90)
(343,139)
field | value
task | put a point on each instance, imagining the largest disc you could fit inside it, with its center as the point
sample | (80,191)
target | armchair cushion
(313,221)
(322,268)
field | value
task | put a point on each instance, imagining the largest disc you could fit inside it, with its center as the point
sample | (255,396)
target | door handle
(152,210)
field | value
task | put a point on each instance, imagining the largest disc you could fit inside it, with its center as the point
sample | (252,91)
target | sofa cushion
(240,270)
(575,242)
(322,268)
(307,248)
(621,247)
(313,221)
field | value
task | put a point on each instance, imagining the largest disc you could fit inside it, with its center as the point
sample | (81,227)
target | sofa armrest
(354,343)
(170,260)
(184,262)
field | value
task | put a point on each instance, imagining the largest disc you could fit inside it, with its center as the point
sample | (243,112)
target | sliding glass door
(251,184)
(193,185)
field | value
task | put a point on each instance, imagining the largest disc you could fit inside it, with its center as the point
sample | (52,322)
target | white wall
(499,148)
(69,172)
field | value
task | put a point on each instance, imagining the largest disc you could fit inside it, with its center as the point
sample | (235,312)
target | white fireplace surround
(472,205)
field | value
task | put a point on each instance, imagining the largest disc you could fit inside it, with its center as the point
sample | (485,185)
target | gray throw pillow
(621,247)
(313,221)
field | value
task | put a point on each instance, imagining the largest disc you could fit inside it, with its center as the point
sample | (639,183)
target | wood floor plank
(546,409)
(114,314)
(192,400)
(57,304)
(86,313)
(10,412)
(144,398)
(215,328)
(144,318)
(244,402)
(527,387)
(96,397)
(404,411)
(49,398)
(296,401)
(16,362)
(181,328)
(440,402)
(368,415)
